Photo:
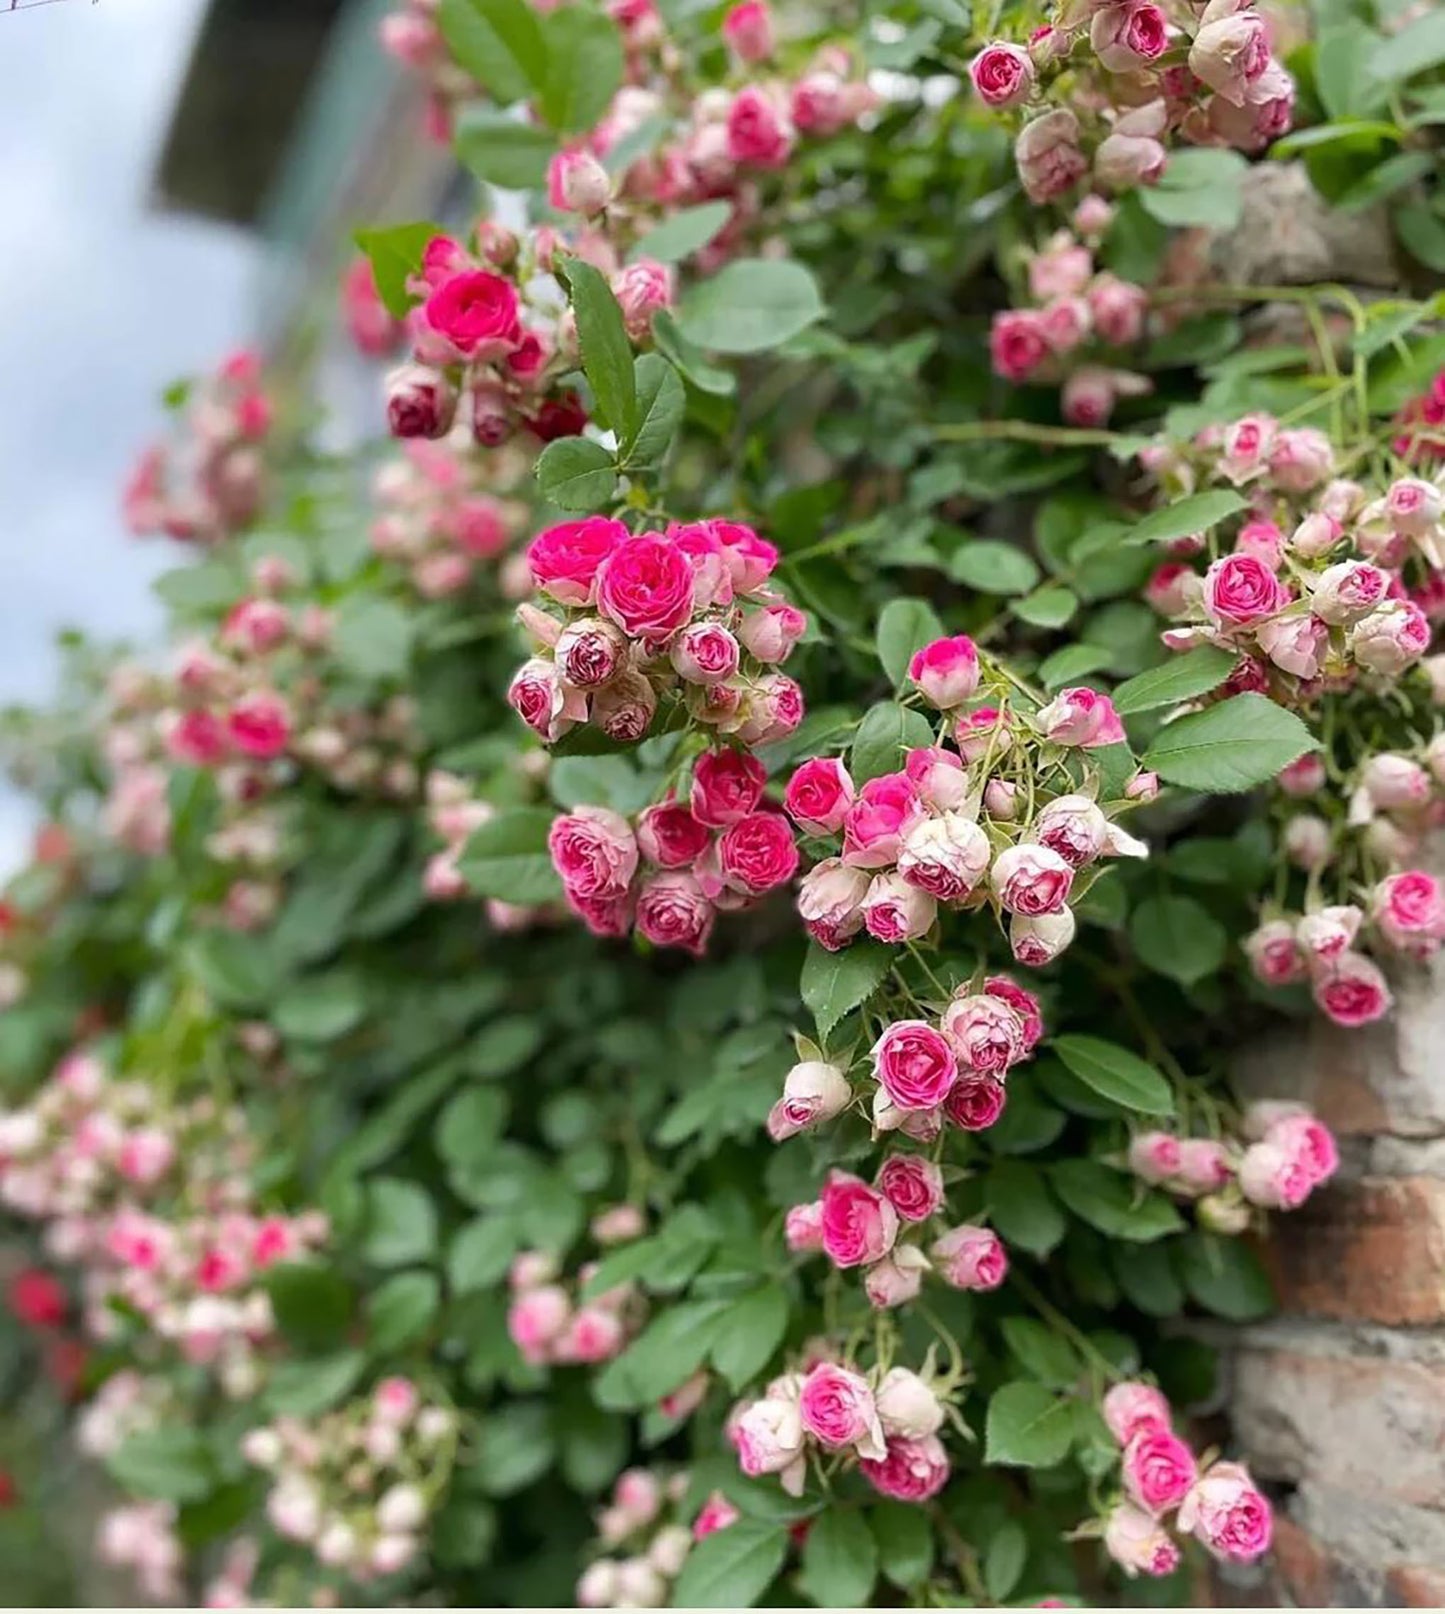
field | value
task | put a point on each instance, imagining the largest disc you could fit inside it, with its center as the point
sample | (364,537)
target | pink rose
(1240,590)
(946,671)
(727,784)
(1079,716)
(1245,447)
(198,738)
(704,653)
(420,402)
(837,1409)
(758,132)
(821,103)
(813,1091)
(1311,1143)
(1017,344)
(1158,1470)
(772,709)
(1409,910)
(594,852)
(748,30)
(908,1406)
(1003,75)
(983,732)
(912,1185)
(670,836)
(717,1513)
(819,795)
(594,1334)
(1230,51)
(803,1228)
(1125,159)
(1038,939)
(536,1318)
(1133,1408)
(1228,1514)
(770,632)
(946,856)
(1118,308)
(1347,591)
(1074,827)
(768,1437)
(1301,459)
(1031,880)
(1274,955)
(538,695)
(830,902)
(673,912)
(1138,1543)
(859,1224)
(757,853)
(1413,505)
(1263,540)
(1155,1157)
(1297,644)
(911,1470)
(1048,157)
(970,1257)
(1126,36)
(590,651)
(1062,269)
(259,724)
(564,559)
(975,1102)
(1390,638)
(897,1278)
(1395,782)
(577,183)
(641,289)
(645,586)
(885,810)
(985,1033)
(1353,992)
(1204,1166)
(1274,1175)
(476,312)
(896,911)
(938,776)
(914,1065)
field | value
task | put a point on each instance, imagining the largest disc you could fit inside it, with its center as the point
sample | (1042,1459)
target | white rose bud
(907,1407)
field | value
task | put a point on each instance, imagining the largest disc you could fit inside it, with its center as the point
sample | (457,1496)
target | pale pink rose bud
(1126,160)
(1127,35)
(1390,638)
(1204,1166)
(813,1092)
(803,1227)
(1308,841)
(819,795)
(1074,827)
(1143,786)
(1048,155)
(1002,800)
(1062,269)
(401,1509)
(1229,53)
(594,1334)
(837,1408)
(1031,880)
(1046,46)
(1002,75)
(1414,506)
(420,402)
(1093,216)
(624,707)
(1296,644)
(590,651)
(912,1185)
(1036,940)
(617,1224)
(536,1318)
(859,1224)
(532,1268)
(1226,1512)
(1118,308)
(1409,911)
(1139,1544)
(704,653)
(1132,1408)
(638,1493)
(897,1278)
(1079,716)
(945,856)
(538,695)
(986,731)
(598,1585)
(669,1550)
(1303,777)
(390,1553)
(1301,458)
(1340,499)
(938,776)
(1393,781)
(768,1437)
(970,1257)
(946,671)
(748,31)
(1245,447)
(294,1507)
(641,289)
(986,1033)
(770,633)
(830,902)
(1154,1157)
(1065,323)
(907,1406)
(577,183)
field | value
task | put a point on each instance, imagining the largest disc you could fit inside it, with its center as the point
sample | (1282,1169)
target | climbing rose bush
(638,1007)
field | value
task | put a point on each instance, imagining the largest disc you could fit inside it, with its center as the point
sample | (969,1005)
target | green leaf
(1241,743)
(1346,85)
(1146,1275)
(1422,234)
(468,1128)
(515,1448)
(1112,1202)
(903,627)
(1177,937)
(993,567)
(661,401)
(840,1561)
(320,1008)
(685,232)
(401,1223)
(1004,1560)
(1071,663)
(372,637)
(507,858)
(312,1304)
(236,971)
(1388,177)
(1021,1207)
(1046,1355)
(503,151)
(584,67)
(690,360)
(395,255)
(669,1350)
(606,351)
(504,1046)
(481,1252)
(169,1464)
(1185,517)
(1048,607)
(750,305)
(1224,1275)
(905,1542)
(1418,47)
(1027,1426)
(1180,678)
(732,1568)
(575,473)
(834,984)
(886,732)
(401,1311)
(594,1446)
(306,1388)
(753,1330)
(1115,1073)
(1197,188)
(499,42)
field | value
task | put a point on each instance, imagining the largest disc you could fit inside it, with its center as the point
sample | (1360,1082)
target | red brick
(1415,1586)
(1302,1567)
(1369,1251)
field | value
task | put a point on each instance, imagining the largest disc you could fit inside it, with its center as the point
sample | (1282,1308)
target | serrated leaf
(753,1330)
(1021,1207)
(1184,517)
(905,626)
(660,404)
(993,567)
(395,254)
(1241,743)
(1178,937)
(834,984)
(1180,678)
(606,350)
(840,1561)
(585,64)
(575,473)
(507,858)
(1116,1074)
(1225,1276)
(499,42)
(1112,1202)
(732,1568)
(885,734)
(905,1542)
(685,232)
(502,150)
(1028,1426)
(750,305)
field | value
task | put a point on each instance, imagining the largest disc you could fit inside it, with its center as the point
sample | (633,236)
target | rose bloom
(564,559)
(1274,1175)
(907,1405)
(1303,777)
(1230,50)
(704,653)
(1409,911)
(830,902)
(1310,1141)
(259,724)
(911,1470)
(985,1033)
(912,1185)
(803,1228)
(1158,1469)
(1079,716)
(768,1437)
(946,671)
(641,289)
(590,651)
(1117,308)
(1074,827)
(885,810)
(1240,590)
(669,836)
(1301,459)
(914,1065)
(748,30)
(1390,638)
(1228,1514)
(544,702)
(645,586)
(1138,1543)
(970,1257)
(1132,1408)
(938,776)
(758,132)
(1353,992)
(859,1224)
(717,1513)
(758,853)
(1204,1166)
(813,1091)
(946,856)
(819,795)
(1048,157)
(1154,1157)
(1017,344)
(1347,591)
(476,312)
(727,784)
(1129,34)
(1002,75)
(837,1409)
(896,911)
(1031,880)
(1296,644)
(594,851)
(1038,939)
(897,1278)
(673,912)
(770,632)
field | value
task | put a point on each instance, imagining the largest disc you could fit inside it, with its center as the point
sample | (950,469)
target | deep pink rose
(912,1185)
(819,795)
(198,739)
(758,132)
(1352,992)
(912,1470)
(859,1224)
(1409,910)
(717,1513)
(1158,1470)
(727,785)
(476,312)
(985,1033)
(1310,1143)
(938,776)
(670,836)
(1003,75)
(837,1408)
(1017,343)
(259,724)
(1023,1003)
(946,671)
(1240,590)
(975,1102)
(914,1065)
(645,586)
(873,828)
(564,559)
(758,852)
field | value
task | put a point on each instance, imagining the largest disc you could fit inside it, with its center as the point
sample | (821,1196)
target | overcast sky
(101,304)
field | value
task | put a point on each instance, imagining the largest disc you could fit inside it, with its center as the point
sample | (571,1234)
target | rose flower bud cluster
(669,873)
(1221,1507)
(208,484)
(556,1324)
(1284,1154)
(358,1486)
(885,1423)
(644,1540)
(683,619)
(1071,334)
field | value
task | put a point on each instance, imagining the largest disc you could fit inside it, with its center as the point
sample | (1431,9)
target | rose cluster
(1135,76)
(209,483)
(1283,1154)
(553,1324)
(684,616)
(644,1541)
(1221,1506)
(359,1485)
(1081,319)
(668,875)
(142,1537)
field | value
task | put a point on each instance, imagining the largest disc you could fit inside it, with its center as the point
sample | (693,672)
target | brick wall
(1339,1401)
